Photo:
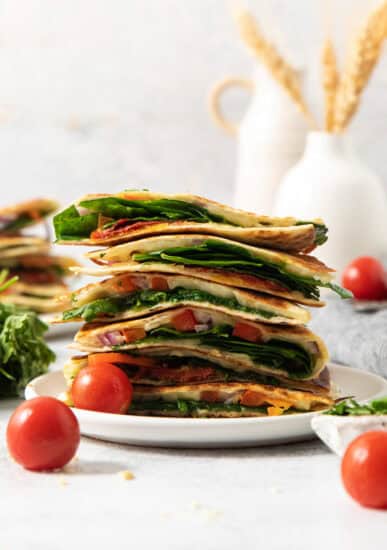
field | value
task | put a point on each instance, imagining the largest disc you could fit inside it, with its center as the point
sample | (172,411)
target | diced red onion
(103,339)
(115,338)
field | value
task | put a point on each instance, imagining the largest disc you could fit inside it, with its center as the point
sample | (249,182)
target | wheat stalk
(363,57)
(266,52)
(330,81)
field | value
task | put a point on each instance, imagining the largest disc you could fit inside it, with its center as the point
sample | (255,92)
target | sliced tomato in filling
(184,321)
(114,358)
(133,334)
(124,284)
(122,226)
(36,276)
(210,396)
(247,332)
(178,375)
(159,283)
(252,399)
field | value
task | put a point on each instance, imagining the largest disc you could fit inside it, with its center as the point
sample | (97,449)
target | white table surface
(280,497)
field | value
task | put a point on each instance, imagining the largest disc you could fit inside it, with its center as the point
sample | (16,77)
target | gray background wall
(98,95)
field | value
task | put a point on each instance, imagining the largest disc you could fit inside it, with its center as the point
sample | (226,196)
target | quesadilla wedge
(39,269)
(15,246)
(294,277)
(223,400)
(42,298)
(128,296)
(289,351)
(163,366)
(16,217)
(111,219)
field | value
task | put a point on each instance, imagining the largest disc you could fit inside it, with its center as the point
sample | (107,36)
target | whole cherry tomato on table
(364,469)
(366,279)
(43,434)
(102,387)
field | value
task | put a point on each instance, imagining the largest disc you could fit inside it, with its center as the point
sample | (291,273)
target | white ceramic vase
(330,182)
(271,139)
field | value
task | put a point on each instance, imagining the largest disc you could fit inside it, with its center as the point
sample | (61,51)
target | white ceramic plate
(207,432)
(59,331)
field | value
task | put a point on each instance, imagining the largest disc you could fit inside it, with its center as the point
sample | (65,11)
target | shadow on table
(312,447)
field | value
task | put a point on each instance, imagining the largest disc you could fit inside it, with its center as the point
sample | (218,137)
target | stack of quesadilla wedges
(201,304)
(40,275)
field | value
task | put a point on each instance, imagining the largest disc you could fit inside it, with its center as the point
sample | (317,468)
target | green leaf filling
(70,225)
(350,407)
(183,407)
(23,351)
(143,299)
(219,255)
(275,354)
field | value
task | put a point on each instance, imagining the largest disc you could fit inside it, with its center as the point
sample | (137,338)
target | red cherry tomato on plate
(364,469)
(43,434)
(103,388)
(366,279)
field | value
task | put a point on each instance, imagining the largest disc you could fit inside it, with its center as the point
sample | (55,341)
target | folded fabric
(356,339)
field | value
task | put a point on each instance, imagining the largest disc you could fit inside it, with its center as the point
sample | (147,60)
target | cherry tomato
(184,321)
(43,434)
(247,332)
(364,469)
(103,388)
(366,279)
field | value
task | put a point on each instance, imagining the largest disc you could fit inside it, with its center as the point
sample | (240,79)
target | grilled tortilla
(165,367)
(42,298)
(134,295)
(39,268)
(294,277)
(111,219)
(16,246)
(16,217)
(289,351)
(223,400)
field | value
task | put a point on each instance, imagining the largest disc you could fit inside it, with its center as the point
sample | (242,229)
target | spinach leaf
(184,407)
(215,254)
(321,231)
(276,354)
(350,407)
(70,225)
(144,210)
(23,351)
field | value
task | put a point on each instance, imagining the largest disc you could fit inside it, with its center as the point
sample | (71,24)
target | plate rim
(30,393)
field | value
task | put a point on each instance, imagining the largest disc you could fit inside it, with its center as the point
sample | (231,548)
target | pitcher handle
(214,101)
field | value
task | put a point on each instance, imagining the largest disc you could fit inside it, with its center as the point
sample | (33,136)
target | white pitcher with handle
(271,139)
